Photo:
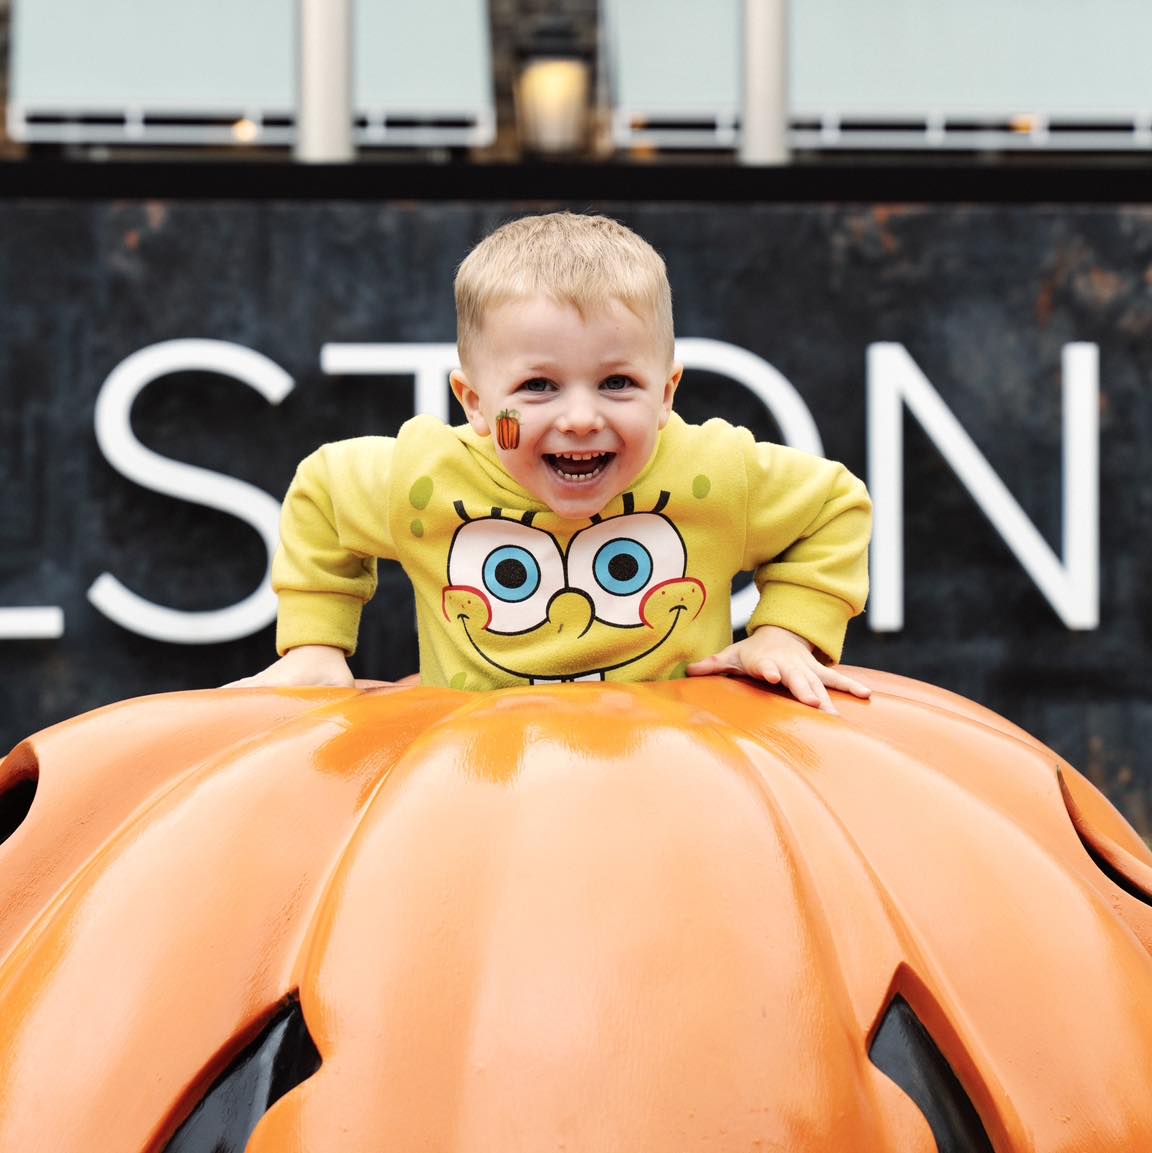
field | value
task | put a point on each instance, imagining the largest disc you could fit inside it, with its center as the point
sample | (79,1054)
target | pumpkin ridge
(943,702)
(1122,867)
(915,964)
(146,804)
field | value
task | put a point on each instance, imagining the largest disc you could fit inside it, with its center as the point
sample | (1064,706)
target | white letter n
(1070,584)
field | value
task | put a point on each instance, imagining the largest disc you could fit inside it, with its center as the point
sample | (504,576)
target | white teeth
(581,476)
(557,460)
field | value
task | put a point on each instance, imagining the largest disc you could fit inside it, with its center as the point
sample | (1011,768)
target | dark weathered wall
(984,297)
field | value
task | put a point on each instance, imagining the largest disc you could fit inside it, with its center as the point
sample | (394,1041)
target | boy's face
(591,393)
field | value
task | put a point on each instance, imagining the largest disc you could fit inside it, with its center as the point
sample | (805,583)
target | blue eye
(511,573)
(616,383)
(537,384)
(622,567)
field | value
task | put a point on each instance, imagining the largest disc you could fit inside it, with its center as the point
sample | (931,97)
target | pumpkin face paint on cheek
(508,428)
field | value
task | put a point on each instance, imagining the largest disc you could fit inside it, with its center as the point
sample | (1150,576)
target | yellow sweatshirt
(507,592)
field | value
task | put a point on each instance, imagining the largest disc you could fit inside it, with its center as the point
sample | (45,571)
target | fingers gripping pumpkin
(407,918)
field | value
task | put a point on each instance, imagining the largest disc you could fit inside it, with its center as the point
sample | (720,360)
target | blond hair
(585,261)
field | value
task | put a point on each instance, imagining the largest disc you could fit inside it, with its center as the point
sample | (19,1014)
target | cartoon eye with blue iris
(622,567)
(517,568)
(617,561)
(511,573)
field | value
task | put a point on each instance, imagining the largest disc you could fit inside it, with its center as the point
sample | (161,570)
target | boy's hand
(781,657)
(307,665)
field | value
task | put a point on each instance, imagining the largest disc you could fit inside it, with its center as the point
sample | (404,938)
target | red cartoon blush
(462,602)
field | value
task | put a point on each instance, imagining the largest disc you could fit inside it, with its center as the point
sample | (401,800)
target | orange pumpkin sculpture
(691,916)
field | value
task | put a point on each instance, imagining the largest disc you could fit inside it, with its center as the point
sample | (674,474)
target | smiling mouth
(578,466)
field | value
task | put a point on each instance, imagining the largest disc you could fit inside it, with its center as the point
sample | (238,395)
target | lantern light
(553,88)
(552,105)
(245,131)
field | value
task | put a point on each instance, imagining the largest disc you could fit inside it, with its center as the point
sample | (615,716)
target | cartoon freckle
(458,681)
(421,492)
(416,528)
(701,487)
(508,428)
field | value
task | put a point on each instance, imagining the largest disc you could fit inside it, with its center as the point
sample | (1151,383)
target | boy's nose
(580,414)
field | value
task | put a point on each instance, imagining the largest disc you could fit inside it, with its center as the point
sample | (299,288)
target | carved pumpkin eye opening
(19,776)
(903,1049)
(282,1057)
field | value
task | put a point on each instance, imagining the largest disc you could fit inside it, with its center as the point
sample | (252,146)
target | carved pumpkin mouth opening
(282,1057)
(903,1049)
(19,776)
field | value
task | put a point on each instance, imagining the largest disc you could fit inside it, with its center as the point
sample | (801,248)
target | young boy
(575,528)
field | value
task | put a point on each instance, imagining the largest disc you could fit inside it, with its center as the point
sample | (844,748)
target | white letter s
(186,482)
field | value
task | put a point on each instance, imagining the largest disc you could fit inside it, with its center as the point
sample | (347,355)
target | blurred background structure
(932,259)
(652,75)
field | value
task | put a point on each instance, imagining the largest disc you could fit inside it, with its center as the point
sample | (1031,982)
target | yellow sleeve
(333,526)
(809,523)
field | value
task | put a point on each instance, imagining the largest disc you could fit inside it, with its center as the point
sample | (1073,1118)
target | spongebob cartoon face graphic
(533,609)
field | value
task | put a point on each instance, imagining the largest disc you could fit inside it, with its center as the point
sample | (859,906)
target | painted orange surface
(586,918)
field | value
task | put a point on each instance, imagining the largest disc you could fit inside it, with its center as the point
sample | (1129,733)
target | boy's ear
(469,400)
(670,387)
